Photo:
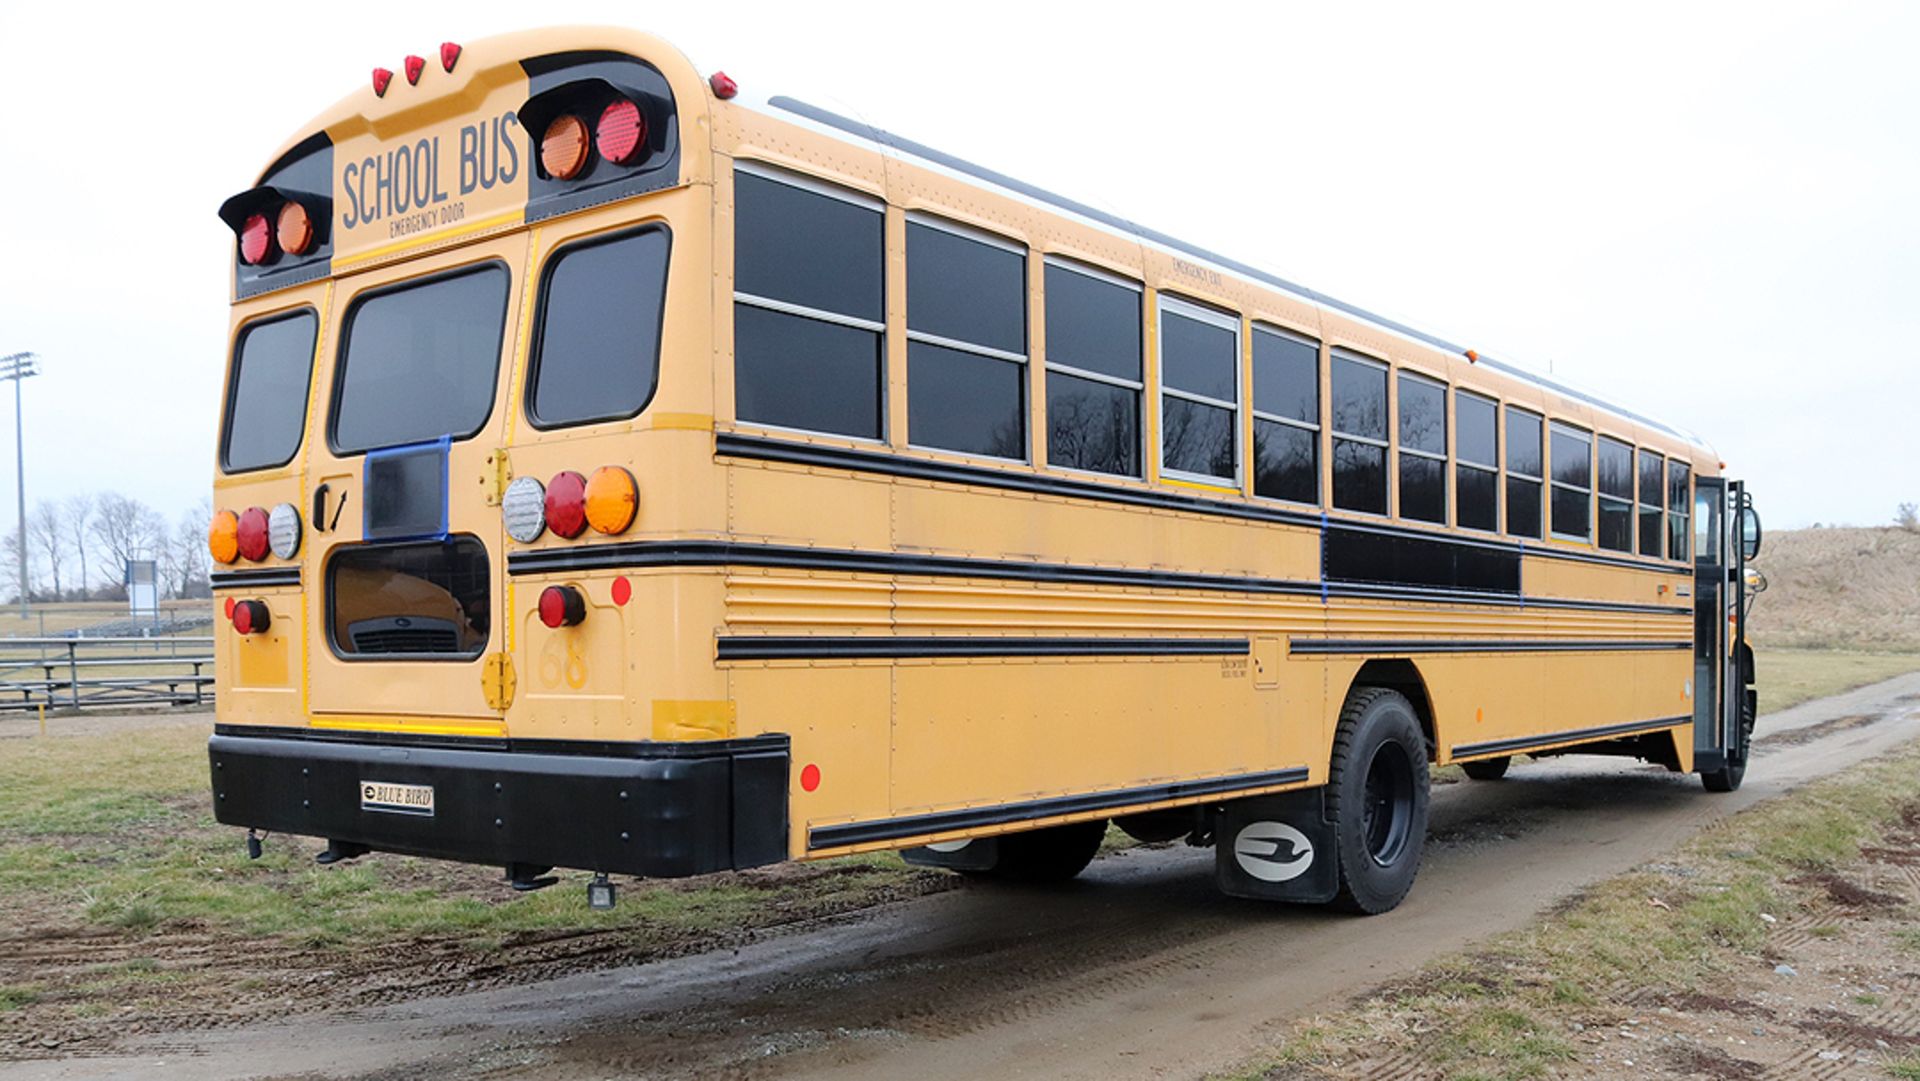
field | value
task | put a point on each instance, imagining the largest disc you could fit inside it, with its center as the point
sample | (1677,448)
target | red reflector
(810,777)
(415,65)
(251,617)
(253,534)
(567,504)
(562,606)
(622,591)
(723,87)
(229,607)
(449,55)
(255,239)
(381,77)
(621,133)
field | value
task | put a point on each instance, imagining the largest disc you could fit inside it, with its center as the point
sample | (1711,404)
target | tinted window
(1475,438)
(1652,479)
(1359,435)
(1523,507)
(966,290)
(805,248)
(1613,477)
(267,398)
(808,308)
(1423,415)
(1359,477)
(1197,438)
(1423,488)
(1478,502)
(1476,445)
(1523,443)
(1572,458)
(1525,462)
(420,361)
(965,402)
(1286,462)
(597,354)
(1092,325)
(1572,463)
(418,599)
(1286,377)
(1199,358)
(1092,425)
(1679,477)
(1199,371)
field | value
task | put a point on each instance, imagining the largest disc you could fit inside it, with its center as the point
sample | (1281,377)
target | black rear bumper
(663,810)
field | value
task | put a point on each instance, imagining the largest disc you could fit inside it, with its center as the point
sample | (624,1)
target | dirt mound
(1840,588)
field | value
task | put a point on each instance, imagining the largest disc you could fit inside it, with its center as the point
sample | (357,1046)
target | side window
(1359,434)
(1652,480)
(1572,502)
(267,392)
(1679,500)
(808,316)
(1526,469)
(1614,479)
(1476,470)
(596,351)
(1423,449)
(1286,416)
(1093,372)
(1199,392)
(966,343)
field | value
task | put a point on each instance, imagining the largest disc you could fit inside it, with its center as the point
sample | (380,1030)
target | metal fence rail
(95,673)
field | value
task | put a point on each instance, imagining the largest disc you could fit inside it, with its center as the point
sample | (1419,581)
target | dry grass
(1852,589)
(1788,677)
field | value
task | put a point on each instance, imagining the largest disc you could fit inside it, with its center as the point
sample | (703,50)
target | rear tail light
(251,535)
(562,606)
(223,537)
(251,617)
(563,149)
(566,504)
(256,239)
(294,229)
(621,134)
(283,531)
(612,499)
(525,509)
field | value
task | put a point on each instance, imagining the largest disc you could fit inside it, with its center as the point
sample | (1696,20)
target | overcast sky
(1709,214)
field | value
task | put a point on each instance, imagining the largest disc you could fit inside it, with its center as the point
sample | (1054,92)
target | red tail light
(256,239)
(449,55)
(562,606)
(253,534)
(251,617)
(567,504)
(381,77)
(621,133)
(415,65)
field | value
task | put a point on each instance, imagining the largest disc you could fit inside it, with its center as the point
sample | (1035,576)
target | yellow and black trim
(1578,735)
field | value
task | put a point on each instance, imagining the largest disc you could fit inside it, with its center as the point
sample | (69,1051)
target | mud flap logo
(1272,851)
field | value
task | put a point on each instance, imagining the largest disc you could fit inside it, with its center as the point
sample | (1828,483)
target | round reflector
(294,230)
(524,509)
(621,133)
(563,149)
(255,239)
(562,606)
(612,499)
(283,531)
(566,504)
(251,617)
(251,535)
(223,537)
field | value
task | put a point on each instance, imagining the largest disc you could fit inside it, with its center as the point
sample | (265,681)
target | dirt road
(1137,970)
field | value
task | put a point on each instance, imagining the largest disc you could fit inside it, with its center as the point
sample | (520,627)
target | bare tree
(1908,517)
(125,528)
(47,539)
(10,573)
(184,554)
(77,519)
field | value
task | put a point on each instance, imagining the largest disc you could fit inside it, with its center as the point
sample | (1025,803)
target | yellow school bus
(621,471)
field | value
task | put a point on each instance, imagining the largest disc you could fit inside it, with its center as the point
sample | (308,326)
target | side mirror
(1750,532)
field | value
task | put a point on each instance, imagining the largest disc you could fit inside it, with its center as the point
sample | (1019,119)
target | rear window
(420,361)
(267,395)
(428,599)
(597,350)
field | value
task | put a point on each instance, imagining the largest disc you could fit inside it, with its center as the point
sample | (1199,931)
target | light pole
(18,367)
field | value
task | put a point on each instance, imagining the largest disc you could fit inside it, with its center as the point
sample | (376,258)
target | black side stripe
(1336,646)
(766,449)
(260,579)
(645,554)
(1578,735)
(893,829)
(801,647)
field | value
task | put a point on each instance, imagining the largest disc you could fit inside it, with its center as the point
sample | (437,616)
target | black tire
(1487,769)
(1728,777)
(1052,854)
(1377,796)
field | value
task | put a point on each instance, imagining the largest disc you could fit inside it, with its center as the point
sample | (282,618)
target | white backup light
(525,509)
(283,531)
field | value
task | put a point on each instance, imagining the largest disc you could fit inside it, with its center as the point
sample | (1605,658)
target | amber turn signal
(612,500)
(223,537)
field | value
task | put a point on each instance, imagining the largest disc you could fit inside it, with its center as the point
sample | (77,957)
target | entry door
(1717,582)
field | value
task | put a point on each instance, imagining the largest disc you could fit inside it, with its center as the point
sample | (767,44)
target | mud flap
(1276,848)
(978,854)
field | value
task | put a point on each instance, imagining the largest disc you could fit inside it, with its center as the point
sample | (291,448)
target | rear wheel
(1728,777)
(1377,796)
(1052,854)
(1487,769)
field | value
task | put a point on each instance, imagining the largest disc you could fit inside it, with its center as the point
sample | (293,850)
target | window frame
(1658,506)
(1389,467)
(536,342)
(1200,313)
(776,174)
(1571,429)
(1601,498)
(240,335)
(345,341)
(1255,416)
(1496,469)
(1682,514)
(1048,365)
(1508,474)
(1024,360)
(1400,449)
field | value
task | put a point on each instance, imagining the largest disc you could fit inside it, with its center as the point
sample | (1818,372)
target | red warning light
(415,65)
(449,55)
(381,77)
